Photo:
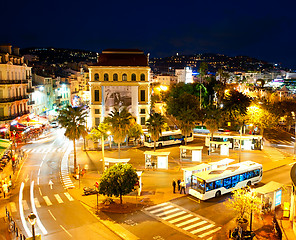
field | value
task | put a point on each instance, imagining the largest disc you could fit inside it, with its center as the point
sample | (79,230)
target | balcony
(59,97)
(13,82)
(12,99)
(54,85)
(11,117)
(30,90)
(30,102)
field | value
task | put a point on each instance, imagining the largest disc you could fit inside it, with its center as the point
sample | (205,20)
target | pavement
(157,186)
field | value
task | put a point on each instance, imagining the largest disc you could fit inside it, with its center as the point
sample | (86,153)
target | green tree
(213,117)
(155,124)
(118,180)
(186,119)
(135,131)
(73,120)
(120,122)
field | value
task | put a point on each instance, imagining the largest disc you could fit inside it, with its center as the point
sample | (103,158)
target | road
(39,190)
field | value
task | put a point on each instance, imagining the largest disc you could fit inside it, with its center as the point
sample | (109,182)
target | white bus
(214,183)
(167,138)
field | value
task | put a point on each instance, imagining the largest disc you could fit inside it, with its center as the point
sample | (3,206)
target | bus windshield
(198,184)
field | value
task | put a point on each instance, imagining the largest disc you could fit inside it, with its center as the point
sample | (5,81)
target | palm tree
(186,120)
(73,119)
(120,122)
(155,124)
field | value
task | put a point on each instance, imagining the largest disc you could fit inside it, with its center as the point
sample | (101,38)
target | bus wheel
(218,194)
(183,142)
(160,145)
(249,184)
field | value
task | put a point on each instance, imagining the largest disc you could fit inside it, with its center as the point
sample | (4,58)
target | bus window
(218,184)
(256,172)
(210,186)
(198,184)
(242,177)
(234,180)
(227,182)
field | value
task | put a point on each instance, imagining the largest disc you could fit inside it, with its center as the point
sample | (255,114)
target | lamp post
(32,221)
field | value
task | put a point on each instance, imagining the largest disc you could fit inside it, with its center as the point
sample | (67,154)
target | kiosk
(161,161)
(191,153)
(109,161)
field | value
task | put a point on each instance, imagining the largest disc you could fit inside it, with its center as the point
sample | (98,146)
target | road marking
(22,210)
(40,191)
(47,201)
(156,206)
(174,215)
(202,229)
(167,212)
(37,202)
(195,225)
(12,206)
(57,196)
(65,230)
(38,181)
(186,222)
(39,171)
(52,215)
(41,164)
(210,232)
(69,196)
(161,209)
(181,218)
(25,205)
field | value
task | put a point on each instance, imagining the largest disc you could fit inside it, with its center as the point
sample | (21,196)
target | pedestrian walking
(5,189)
(174,186)
(182,185)
(179,181)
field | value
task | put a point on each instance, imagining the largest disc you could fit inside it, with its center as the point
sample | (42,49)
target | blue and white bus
(167,138)
(214,183)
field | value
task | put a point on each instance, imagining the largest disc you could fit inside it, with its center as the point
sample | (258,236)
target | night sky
(260,29)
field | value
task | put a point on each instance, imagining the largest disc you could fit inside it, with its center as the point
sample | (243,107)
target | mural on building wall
(117,97)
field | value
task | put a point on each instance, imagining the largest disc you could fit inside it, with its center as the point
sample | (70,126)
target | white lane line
(57,196)
(161,209)
(174,215)
(47,201)
(195,225)
(69,196)
(39,171)
(39,223)
(202,229)
(25,205)
(66,231)
(52,215)
(38,181)
(22,210)
(41,164)
(210,232)
(156,206)
(180,218)
(37,204)
(186,222)
(12,206)
(40,191)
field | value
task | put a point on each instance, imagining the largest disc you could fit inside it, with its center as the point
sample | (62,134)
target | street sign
(97,185)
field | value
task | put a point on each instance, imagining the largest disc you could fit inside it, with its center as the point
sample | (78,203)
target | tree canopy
(118,180)
(155,124)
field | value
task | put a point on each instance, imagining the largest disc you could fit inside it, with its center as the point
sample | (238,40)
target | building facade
(120,79)
(15,84)
(184,75)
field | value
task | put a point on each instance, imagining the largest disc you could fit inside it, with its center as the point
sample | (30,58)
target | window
(242,177)
(142,95)
(115,77)
(97,121)
(97,111)
(234,180)
(142,77)
(227,183)
(218,184)
(142,111)
(96,77)
(106,77)
(210,186)
(97,95)
(256,173)
(124,77)
(143,120)
(134,78)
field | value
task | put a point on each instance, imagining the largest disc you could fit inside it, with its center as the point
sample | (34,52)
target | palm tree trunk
(74,148)
(119,150)
(154,145)
(120,198)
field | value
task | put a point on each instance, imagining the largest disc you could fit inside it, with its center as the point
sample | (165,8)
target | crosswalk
(188,222)
(65,179)
(44,201)
(45,150)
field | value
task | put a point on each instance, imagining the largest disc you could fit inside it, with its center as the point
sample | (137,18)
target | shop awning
(269,187)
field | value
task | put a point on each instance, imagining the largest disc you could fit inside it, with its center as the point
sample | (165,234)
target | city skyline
(261,30)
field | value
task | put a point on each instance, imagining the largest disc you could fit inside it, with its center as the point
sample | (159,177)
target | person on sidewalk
(182,185)
(179,181)
(5,189)
(174,186)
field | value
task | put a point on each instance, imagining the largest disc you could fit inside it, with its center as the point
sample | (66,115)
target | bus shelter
(187,172)
(271,194)
(224,147)
(156,160)
(191,153)
(112,161)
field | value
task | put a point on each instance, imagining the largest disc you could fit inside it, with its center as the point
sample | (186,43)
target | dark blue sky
(260,29)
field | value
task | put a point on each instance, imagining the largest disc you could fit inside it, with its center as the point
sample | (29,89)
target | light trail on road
(22,210)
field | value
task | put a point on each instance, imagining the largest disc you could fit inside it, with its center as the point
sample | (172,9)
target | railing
(11,117)
(30,90)
(12,99)
(13,81)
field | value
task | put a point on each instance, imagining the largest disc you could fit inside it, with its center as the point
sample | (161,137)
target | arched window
(142,77)
(106,77)
(124,77)
(96,77)
(134,78)
(115,77)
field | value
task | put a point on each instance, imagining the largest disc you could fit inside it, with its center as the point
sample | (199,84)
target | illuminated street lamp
(32,221)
